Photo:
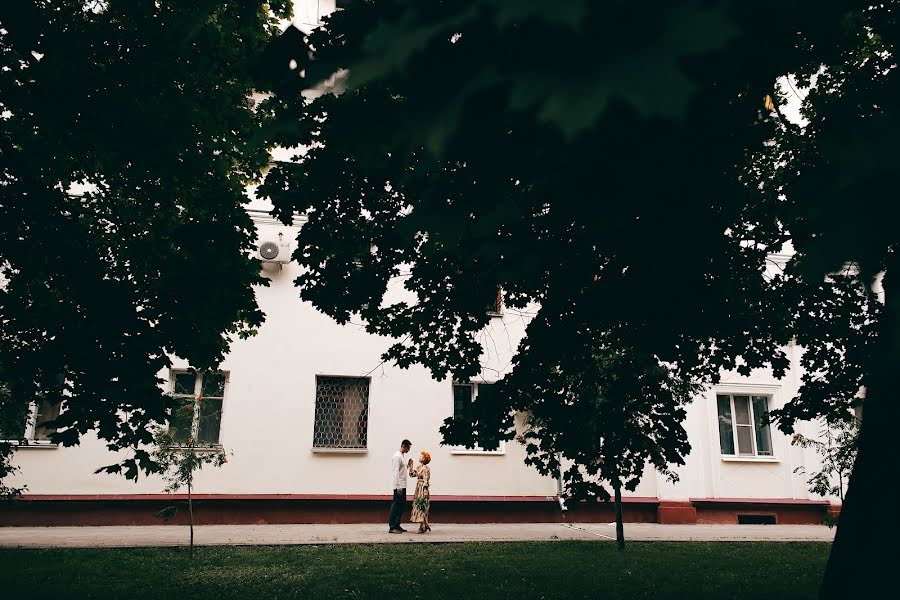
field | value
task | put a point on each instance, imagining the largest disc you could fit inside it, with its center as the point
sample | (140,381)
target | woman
(422,498)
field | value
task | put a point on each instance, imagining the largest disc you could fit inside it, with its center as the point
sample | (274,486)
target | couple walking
(401,467)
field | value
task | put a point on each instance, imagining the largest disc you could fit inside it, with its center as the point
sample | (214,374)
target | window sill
(752,459)
(201,448)
(339,450)
(474,452)
(33,445)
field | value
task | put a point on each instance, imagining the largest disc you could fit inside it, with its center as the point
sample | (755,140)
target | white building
(310,418)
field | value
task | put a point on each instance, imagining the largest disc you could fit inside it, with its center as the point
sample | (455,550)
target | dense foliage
(486,144)
(127,139)
(626,168)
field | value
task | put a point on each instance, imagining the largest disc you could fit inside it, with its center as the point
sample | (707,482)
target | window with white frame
(198,415)
(313,11)
(743,425)
(342,413)
(33,430)
(42,412)
(464,395)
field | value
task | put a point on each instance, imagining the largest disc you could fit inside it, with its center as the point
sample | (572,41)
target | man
(399,467)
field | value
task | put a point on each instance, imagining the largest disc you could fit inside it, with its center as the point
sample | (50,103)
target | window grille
(342,412)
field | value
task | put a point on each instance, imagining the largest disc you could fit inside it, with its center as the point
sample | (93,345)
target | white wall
(268,416)
(268,412)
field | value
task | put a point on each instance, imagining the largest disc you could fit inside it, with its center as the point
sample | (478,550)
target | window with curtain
(743,425)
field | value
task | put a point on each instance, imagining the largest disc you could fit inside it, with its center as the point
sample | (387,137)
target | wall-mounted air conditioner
(274,251)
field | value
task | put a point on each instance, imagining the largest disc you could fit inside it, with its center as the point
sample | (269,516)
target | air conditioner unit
(270,251)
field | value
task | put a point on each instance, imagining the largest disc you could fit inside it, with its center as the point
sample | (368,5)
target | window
(743,428)
(495,304)
(464,395)
(342,413)
(198,416)
(756,519)
(43,412)
(31,427)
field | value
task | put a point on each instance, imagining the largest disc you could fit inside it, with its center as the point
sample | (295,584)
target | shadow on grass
(460,570)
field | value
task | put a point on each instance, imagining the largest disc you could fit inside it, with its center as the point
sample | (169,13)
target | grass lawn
(471,570)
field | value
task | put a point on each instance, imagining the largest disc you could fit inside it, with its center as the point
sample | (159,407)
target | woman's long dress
(422,498)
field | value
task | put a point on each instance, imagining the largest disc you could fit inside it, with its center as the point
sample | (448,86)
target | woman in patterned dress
(422,498)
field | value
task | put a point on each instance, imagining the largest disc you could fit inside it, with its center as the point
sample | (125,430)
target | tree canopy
(838,174)
(146,107)
(446,157)
(625,167)
(622,166)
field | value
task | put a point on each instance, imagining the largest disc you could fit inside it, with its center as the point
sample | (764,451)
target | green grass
(472,570)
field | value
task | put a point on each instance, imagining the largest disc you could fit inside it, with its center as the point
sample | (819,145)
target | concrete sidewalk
(253,535)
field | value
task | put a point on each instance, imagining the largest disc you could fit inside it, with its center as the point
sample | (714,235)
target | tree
(13,416)
(837,447)
(543,147)
(178,460)
(460,159)
(603,412)
(146,107)
(837,175)
(835,321)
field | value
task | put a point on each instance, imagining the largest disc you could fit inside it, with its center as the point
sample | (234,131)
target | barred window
(342,412)
(198,416)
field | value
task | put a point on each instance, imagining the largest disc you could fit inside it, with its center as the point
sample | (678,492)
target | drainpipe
(559,491)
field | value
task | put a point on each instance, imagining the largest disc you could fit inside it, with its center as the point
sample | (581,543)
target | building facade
(310,417)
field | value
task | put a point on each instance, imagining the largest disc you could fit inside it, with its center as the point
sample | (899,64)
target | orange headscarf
(426,458)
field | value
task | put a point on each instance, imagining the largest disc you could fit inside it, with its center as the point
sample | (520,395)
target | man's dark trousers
(397,509)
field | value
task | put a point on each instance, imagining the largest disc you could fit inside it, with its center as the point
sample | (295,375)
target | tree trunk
(863,557)
(191,519)
(620,529)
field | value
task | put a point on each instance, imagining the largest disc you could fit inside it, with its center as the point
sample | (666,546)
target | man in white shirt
(399,467)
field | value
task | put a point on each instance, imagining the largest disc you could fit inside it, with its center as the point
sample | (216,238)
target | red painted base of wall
(216,509)
(265,509)
(786,512)
(672,512)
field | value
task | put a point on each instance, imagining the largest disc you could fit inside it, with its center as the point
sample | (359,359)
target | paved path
(244,535)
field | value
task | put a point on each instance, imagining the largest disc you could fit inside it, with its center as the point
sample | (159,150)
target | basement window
(756,519)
